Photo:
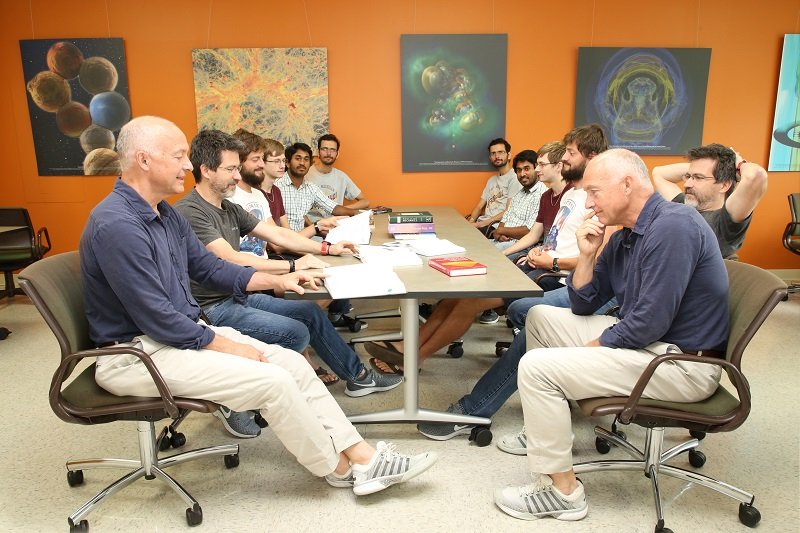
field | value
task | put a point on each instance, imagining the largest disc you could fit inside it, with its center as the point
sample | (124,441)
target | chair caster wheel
(75,478)
(194,515)
(83,525)
(4,333)
(697,458)
(164,443)
(177,440)
(699,435)
(602,446)
(481,435)
(260,420)
(456,349)
(749,515)
(231,461)
(501,347)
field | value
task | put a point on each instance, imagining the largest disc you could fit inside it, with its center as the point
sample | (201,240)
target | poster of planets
(78,101)
(784,152)
(278,93)
(454,100)
(649,100)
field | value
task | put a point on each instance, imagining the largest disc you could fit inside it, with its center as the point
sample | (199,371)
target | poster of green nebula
(649,100)
(784,152)
(454,100)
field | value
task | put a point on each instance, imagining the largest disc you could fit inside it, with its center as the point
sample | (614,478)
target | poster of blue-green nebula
(454,100)
(784,152)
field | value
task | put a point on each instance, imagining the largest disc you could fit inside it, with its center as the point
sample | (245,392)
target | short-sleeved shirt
(275,202)
(524,207)
(255,203)
(730,234)
(561,240)
(336,185)
(549,206)
(498,189)
(210,223)
(298,201)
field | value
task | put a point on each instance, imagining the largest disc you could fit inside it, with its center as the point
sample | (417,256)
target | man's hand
(294,282)
(327,224)
(226,345)
(343,248)
(590,235)
(593,343)
(309,261)
(537,258)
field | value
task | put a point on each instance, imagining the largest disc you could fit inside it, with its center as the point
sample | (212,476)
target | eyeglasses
(326,149)
(281,161)
(697,177)
(540,164)
(231,169)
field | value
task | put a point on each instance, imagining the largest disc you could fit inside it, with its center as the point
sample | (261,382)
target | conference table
(503,279)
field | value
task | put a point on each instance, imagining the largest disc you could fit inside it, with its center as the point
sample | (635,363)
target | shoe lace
(540,482)
(387,451)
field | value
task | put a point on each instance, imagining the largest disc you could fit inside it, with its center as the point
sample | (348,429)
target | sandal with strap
(326,376)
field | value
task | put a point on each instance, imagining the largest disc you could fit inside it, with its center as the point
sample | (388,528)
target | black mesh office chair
(19,247)
(54,286)
(791,235)
(753,294)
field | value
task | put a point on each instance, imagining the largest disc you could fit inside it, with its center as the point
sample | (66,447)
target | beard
(251,179)
(573,173)
(499,164)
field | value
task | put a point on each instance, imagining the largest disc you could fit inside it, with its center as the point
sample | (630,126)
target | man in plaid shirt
(524,205)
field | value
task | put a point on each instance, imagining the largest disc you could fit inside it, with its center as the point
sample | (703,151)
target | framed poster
(77,100)
(649,100)
(453,100)
(784,151)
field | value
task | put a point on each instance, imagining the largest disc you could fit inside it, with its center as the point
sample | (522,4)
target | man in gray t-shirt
(721,185)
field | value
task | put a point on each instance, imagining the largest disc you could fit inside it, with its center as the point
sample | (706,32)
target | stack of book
(412,224)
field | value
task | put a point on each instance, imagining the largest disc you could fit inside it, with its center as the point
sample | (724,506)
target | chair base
(10,289)
(651,462)
(149,466)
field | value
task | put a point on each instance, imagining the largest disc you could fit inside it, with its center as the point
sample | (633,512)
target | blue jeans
(293,324)
(500,381)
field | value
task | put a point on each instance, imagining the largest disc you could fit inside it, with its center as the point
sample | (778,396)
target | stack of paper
(431,247)
(354,229)
(362,281)
(392,256)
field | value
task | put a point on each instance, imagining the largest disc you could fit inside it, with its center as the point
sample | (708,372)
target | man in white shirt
(334,183)
(498,191)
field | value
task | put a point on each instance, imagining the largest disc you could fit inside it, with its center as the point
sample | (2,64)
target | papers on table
(431,247)
(413,236)
(362,281)
(354,229)
(396,256)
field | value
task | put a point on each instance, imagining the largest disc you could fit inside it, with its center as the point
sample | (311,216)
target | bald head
(618,185)
(142,134)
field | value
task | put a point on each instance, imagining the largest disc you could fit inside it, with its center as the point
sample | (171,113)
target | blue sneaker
(239,424)
(372,382)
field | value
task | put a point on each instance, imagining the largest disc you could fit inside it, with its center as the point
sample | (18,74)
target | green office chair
(54,286)
(753,294)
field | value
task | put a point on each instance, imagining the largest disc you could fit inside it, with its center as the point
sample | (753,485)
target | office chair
(54,286)
(21,247)
(791,235)
(753,294)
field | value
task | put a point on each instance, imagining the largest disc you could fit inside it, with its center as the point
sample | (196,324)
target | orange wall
(362,38)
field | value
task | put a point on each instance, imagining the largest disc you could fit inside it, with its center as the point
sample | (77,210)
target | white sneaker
(514,443)
(541,499)
(388,467)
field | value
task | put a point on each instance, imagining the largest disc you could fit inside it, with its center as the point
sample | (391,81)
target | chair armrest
(69,362)
(735,375)
(550,275)
(40,248)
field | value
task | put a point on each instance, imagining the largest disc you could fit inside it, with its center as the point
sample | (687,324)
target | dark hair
(502,141)
(207,147)
(297,147)
(725,167)
(590,139)
(328,137)
(250,143)
(526,155)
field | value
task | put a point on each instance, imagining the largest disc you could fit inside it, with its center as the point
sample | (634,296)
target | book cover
(412,227)
(457,266)
(418,216)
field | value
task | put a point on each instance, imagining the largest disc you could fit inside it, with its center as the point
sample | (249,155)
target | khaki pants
(558,368)
(300,410)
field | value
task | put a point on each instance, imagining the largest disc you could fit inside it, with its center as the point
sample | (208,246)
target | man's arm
(341,210)
(359,202)
(477,211)
(513,232)
(526,241)
(751,187)
(667,177)
(296,242)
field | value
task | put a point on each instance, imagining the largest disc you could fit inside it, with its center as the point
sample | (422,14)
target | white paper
(431,247)
(413,236)
(354,229)
(396,256)
(362,281)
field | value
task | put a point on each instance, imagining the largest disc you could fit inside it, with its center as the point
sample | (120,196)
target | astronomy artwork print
(277,93)
(453,100)
(649,100)
(784,152)
(78,101)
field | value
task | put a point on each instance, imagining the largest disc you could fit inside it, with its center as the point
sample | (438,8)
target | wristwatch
(317,231)
(555,265)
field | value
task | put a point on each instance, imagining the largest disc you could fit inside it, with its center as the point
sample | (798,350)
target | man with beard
(523,208)
(498,191)
(299,195)
(334,183)
(722,186)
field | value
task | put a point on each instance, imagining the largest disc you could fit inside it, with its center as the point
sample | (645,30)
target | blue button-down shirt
(136,265)
(669,278)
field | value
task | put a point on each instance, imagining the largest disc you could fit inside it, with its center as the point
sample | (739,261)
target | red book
(457,266)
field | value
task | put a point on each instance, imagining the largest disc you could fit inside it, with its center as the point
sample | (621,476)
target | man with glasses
(721,185)
(336,184)
(498,191)
(524,205)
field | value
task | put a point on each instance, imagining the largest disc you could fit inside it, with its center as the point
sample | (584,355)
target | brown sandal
(326,376)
